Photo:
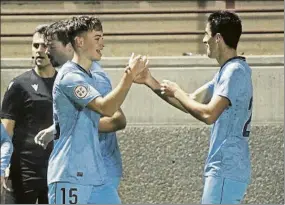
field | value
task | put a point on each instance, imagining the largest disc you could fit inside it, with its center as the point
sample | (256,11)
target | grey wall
(142,106)
(164,150)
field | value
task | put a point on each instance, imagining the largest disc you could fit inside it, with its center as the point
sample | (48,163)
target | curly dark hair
(41,29)
(228,24)
(82,24)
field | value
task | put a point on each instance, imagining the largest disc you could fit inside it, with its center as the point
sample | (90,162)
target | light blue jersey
(6,149)
(229,155)
(108,141)
(76,157)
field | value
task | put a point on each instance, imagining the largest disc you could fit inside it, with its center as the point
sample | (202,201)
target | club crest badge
(80,91)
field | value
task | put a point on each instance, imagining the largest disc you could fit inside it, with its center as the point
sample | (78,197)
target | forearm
(154,85)
(114,123)
(196,109)
(6,153)
(198,98)
(107,124)
(112,102)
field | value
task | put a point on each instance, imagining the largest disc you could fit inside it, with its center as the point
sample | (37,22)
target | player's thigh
(219,190)
(105,194)
(67,193)
(233,192)
(212,192)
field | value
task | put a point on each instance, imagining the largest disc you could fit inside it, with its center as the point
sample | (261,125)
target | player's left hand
(44,137)
(168,88)
(137,64)
(143,76)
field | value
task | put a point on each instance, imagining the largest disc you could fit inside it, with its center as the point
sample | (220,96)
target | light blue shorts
(219,190)
(67,193)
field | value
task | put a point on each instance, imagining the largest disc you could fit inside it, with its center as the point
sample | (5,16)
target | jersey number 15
(72,196)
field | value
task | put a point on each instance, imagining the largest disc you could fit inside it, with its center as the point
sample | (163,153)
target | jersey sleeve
(231,82)
(78,89)
(210,85)
(6,150)
(12,101)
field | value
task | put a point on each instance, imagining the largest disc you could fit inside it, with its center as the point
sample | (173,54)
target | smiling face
(92,45)
(86,37)
(38,51)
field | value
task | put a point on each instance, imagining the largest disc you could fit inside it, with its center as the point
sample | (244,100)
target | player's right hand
(137,64)
(44,137)
(144,76)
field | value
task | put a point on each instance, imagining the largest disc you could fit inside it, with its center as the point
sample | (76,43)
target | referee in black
(26,110)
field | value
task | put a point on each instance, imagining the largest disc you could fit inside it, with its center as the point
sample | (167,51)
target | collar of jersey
(233,58)
(37,75)
(82,69)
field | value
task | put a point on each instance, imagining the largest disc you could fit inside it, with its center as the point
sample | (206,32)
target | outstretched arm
(111,103)
(146,78)
(207,113)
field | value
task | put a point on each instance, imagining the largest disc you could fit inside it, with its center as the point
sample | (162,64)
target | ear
(218,37)
(69,47)
(79,41)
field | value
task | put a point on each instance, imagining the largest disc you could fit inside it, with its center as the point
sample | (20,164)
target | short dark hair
(228,24)
(41,29)
(58,30)
(81,25)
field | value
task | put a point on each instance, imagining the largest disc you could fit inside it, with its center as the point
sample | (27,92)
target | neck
(46,72)
(227,54)
(82,61)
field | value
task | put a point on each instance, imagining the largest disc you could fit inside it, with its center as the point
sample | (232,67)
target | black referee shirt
(28,101)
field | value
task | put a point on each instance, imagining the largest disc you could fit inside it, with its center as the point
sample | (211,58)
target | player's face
(38,51)
(210,42)
(58,52)
(93,45)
